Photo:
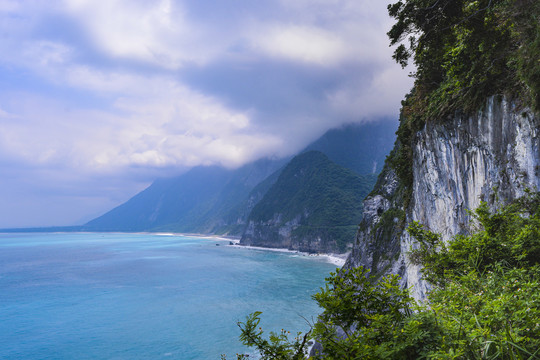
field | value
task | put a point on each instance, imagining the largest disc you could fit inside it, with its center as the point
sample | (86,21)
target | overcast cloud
(98,98)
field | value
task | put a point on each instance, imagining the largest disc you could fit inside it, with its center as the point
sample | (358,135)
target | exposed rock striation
(491,156)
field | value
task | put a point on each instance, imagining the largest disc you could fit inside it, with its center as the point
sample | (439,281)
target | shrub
(484,302)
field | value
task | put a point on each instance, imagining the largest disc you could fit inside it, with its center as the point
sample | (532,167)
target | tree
(467,50)
(277,347)
(362,319)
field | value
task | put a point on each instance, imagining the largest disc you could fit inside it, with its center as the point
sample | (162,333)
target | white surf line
(336,259)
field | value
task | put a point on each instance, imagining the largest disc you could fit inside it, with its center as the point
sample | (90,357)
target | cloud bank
(98,98)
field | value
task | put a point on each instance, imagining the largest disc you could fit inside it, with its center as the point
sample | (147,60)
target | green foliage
(312,182)
(401,157)
(323,197)
(467,50)
(487,285)
(352,297)
(358,147)
(509,237)
(390,219)
(278,346)
(361,317)
(494,315)
(484,302)
(464,52)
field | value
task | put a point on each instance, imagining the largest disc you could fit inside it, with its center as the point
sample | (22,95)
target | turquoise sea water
(144,296)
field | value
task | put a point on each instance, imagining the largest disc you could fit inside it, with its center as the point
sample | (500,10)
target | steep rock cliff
(492,156)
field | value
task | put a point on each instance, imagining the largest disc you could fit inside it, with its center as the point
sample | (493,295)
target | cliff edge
(492,155)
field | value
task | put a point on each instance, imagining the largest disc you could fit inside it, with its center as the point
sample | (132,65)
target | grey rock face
(492,156)
(377,244)
(276,234)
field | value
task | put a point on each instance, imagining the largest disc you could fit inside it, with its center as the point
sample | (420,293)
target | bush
(484,303)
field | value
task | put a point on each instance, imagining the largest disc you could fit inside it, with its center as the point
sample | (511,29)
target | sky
(98,98)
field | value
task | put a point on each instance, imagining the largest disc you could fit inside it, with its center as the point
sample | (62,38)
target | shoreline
(336,259)
(234,241)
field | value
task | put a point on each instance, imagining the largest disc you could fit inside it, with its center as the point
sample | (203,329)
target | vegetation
(325,198)
(464,51)
(212,199)
(467,50)
(484,302)
(486,294)
(360,148)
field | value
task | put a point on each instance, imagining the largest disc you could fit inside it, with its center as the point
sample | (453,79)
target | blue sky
(99,98)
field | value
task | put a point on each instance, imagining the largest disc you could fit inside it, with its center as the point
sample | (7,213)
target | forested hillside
(464,52)
(361,149)
(315,206)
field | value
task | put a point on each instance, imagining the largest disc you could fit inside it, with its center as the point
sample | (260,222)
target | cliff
(492,155)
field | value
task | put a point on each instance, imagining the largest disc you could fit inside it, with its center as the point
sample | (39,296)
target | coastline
(336,259)
(234,241)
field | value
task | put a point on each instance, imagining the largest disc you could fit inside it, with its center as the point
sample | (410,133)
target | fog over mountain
(213,199)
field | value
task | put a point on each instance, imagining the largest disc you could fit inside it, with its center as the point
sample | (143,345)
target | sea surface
(145,296)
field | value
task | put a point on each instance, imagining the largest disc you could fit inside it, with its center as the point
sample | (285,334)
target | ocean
(145,296)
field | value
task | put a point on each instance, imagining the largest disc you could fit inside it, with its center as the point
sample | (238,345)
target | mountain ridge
(214,200)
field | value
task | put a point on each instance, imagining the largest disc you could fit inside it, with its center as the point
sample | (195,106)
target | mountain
(192,202)
(314,206)
(218,200)
(469,128)
(361,148)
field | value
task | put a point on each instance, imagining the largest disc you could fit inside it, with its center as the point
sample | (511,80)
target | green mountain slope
(361,148)
(314,206)
(193,202)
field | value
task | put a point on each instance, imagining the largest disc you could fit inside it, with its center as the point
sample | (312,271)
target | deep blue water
(140,296)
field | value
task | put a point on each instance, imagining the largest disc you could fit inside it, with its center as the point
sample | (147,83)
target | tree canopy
(467,50)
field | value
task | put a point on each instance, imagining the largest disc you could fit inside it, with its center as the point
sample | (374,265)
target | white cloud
(9,6)
(155,122)
(46,54)
(100,88)
(163,33)
(104,82)
(5,115)
(382,96)
(336,11)
(326,32)
(300,43)
(157,32)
